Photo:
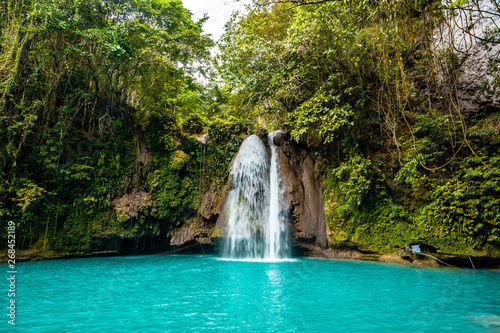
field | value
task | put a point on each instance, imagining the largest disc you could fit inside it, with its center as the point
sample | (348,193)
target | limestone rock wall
(302,193)
(195,230)
(302,198)
(466,84)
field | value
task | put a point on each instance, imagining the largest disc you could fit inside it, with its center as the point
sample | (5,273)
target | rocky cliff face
(302,193)
(212,202)
(195,230)
(466,81)
(302,198)
(201,228)
(128,205)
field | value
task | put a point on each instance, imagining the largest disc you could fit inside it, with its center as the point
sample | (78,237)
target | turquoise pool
(191,293)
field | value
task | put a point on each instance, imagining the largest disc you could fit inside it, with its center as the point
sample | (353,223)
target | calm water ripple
(188,293)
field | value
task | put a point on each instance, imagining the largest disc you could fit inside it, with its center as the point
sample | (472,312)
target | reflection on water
(263,260)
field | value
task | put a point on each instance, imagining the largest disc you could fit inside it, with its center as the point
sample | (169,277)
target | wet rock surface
(314,250)
(302,194)
(213,201)
(281,137)
(201,228)
(194,230)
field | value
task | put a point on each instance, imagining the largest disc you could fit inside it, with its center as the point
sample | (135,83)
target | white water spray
(274,224)
(255,227)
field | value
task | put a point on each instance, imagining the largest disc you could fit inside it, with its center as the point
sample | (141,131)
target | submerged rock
(488,322)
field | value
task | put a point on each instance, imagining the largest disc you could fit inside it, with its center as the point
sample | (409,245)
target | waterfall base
(255,226)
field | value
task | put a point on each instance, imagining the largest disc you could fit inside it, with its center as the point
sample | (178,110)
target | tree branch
(296,2)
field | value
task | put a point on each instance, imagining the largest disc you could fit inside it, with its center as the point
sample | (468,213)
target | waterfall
(255,227)
(276,224)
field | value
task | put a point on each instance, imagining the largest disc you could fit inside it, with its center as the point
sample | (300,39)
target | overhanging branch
(295,2)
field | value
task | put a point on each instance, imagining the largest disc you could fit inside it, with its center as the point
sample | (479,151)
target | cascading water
(246,204)
(277,235)
(255,227)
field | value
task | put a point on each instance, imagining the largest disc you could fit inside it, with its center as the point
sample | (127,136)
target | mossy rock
(262,133)
(194,124)
(179,159)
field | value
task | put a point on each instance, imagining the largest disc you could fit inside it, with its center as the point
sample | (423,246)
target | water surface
(189,293)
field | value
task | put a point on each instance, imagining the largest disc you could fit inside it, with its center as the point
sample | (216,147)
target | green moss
(179,159)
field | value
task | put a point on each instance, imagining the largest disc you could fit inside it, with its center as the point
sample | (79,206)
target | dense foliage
(98,101)
(366,86)
(80,84)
